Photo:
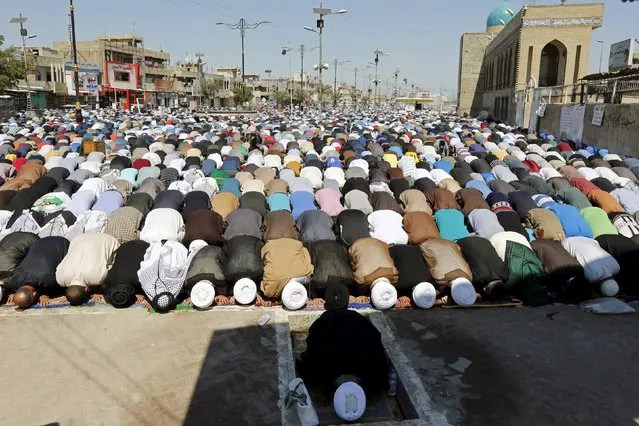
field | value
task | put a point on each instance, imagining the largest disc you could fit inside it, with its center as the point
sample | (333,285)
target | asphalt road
(556,365)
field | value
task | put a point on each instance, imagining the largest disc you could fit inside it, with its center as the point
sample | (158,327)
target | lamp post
(301,51)
(322,11)
(600,54)
(268,82)
(396,74)
(377,53)
(405,87)
(335,81)
(242,25)
(24,36)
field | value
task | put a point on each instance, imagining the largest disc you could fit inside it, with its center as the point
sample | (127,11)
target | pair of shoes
(298,396)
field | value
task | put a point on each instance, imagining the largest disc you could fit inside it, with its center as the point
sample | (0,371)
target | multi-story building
(537,46)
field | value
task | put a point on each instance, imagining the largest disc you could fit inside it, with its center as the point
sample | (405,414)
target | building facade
(537,46)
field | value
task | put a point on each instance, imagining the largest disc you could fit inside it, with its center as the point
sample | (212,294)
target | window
(122,76)
(529,64)
(575,76)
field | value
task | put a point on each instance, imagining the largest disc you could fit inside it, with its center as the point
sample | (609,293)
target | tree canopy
(11,68)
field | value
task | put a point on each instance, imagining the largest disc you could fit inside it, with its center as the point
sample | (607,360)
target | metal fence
(609,91)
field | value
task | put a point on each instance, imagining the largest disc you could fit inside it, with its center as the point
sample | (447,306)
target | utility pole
(405,87)
(322,12)
(24,36)
(335,81)
(302,71)
(377,52)
(76,74)
(301,49)
(242,25)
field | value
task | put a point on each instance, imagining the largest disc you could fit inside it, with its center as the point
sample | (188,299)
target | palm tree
(282,98)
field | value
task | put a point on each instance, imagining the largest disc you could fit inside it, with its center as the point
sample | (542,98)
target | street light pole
(76,74)
(600,54)
(242,25)
(321,11)
(268,82)
(24,36)
(396,74)
(377,52)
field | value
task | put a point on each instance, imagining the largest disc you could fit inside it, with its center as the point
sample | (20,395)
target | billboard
(621,55)
(88,76)
(120,75)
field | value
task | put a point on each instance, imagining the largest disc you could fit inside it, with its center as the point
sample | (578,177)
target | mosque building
(536,46)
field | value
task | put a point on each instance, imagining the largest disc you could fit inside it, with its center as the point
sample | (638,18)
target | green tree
(335,97)
(11,68)
(242,95)
(210,88)
(301,97)
(282,98)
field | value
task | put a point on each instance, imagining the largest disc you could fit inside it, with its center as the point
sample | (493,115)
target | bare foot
(10,299)
(403,302)
(259,301)
(44,300)
(317,302)
(221,300)
(99,298)
(187,302)
(364,300)
(139,299)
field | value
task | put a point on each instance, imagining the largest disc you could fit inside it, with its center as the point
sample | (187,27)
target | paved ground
(554,365)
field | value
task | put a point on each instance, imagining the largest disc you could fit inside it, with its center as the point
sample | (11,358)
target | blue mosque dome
(501,12)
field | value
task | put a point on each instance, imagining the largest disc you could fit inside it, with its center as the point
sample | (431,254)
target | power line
(241,15)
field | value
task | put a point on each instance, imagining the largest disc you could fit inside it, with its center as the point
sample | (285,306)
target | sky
(422,36)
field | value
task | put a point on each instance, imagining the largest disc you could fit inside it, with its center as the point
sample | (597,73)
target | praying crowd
(390,208)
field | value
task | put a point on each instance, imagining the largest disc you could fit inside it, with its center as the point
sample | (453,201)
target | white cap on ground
(609,287)
(203,294)
(383,294)
(349,401)
(463,292)
(304,405)
(294,295)
(424,295)
(245,291)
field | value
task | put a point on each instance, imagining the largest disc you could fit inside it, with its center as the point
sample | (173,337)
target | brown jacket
(414,200)
(29,173)
(224,203)
(471,199)
(370,260)
(279,224)
(603,199)
(445,262)
(276,185)
(440,198)
(284,259)
(420,226)
(545,224)
(204,225)
(265,174)
(450,184)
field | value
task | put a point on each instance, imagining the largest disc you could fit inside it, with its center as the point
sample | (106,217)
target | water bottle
(392,382)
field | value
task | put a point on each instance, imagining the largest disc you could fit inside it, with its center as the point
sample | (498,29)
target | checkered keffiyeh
(124,224)
(164,268)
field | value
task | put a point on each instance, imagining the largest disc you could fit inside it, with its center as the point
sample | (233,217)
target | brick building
(537,46)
